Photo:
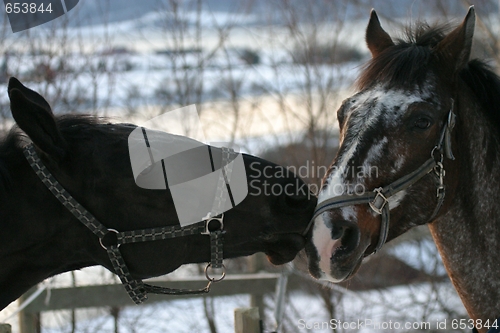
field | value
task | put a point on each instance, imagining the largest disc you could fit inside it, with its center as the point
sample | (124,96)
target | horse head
(396,141)
(90,159)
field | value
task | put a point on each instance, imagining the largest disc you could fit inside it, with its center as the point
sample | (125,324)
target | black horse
(89,158)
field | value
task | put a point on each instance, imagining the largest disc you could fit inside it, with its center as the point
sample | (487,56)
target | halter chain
(136,288)
(378,200)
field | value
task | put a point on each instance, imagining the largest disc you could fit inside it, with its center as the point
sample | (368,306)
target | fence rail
(114,294)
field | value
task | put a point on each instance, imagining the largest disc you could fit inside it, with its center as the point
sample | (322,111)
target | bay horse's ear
(455,48)
(376,37)
(34,116)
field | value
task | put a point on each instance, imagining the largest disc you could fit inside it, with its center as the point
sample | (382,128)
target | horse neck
(41,238)
(36,241)
(467,236)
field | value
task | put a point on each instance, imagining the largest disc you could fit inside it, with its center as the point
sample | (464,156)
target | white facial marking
(325,246)
(374,154)
(368,107)
(398,164)
(365,110)
(396,199)
(348,213)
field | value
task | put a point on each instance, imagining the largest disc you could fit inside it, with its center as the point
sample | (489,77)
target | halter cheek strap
(111,239)
(378,199)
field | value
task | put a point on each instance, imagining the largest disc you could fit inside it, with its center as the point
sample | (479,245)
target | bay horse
(82,162)
(422,108)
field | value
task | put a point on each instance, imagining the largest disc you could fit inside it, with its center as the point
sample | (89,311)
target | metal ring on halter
(212,279)
(109,231)
(218,218)
(441,156)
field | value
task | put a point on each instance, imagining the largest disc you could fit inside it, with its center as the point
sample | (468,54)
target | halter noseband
(378,199)
(111,239)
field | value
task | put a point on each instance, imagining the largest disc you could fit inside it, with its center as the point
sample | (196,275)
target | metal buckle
(440,173)
(218,218)
(379,199)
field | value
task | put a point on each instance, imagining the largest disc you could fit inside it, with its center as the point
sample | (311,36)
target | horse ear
(34,116)
(455,48)
(376,37)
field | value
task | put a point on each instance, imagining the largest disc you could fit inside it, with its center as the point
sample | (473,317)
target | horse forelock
(410,63)
(406,63)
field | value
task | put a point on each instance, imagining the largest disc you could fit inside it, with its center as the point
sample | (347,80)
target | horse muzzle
(336,249)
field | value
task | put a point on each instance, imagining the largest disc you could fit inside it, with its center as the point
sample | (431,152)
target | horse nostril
(337,232)
(338,228)
(350,238)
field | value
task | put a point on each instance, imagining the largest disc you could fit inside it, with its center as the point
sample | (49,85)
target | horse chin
(344,271)
(334,263)
(284,248)
(337,272)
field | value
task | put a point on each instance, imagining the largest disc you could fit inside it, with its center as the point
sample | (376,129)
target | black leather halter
(378,199)
(111,239)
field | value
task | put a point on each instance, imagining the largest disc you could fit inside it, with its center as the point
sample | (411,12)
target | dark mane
(73,127)
(485,85)
(409,57)
(7,146)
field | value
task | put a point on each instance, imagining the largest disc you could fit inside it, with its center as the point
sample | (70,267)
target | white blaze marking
(363,114)
(325,246)
(374,153)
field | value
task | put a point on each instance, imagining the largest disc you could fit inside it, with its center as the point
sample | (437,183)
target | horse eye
(423,123)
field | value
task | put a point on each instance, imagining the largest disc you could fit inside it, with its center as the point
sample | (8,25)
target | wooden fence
(114,295)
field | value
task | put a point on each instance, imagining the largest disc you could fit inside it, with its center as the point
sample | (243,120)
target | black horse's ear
(455,48)
(377,39)
(34,116)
